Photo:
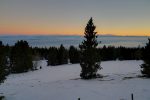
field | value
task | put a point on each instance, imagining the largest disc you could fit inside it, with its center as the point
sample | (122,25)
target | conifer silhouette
(89,60)
(146,57)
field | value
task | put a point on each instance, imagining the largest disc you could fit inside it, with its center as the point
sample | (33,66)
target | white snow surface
(63,83)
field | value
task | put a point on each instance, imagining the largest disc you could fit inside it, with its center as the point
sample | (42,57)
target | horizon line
(60,34)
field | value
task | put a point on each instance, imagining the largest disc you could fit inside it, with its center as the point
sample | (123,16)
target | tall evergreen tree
(21,57)
(3,62)
(146,57)
(89,61)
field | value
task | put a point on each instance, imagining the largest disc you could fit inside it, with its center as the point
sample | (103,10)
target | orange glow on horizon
(67,31)
(36,29)
(71,33)
(54,17)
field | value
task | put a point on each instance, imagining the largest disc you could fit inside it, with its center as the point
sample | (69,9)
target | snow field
(63,83)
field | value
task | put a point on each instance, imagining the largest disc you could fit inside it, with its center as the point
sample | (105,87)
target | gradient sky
(117,17)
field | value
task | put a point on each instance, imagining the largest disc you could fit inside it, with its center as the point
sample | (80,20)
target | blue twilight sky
(117,17)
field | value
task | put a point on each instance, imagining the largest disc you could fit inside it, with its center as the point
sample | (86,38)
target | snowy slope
(64,83)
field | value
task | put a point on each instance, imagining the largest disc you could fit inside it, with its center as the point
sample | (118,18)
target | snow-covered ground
(64,83)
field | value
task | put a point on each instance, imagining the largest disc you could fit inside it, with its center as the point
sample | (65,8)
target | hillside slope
(64,83)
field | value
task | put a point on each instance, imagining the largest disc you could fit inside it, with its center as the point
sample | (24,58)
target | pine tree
(21,57)
(89,60)
(146,57)
(3,62)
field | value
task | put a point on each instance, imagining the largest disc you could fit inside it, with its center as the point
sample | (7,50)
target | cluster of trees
(89,58)
(120,53)
(146,58)
(15,59)
(19,58)
(61,55)
(57,56)
(74,55)
(3,62)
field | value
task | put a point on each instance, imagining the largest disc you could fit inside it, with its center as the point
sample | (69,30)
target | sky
(69,17)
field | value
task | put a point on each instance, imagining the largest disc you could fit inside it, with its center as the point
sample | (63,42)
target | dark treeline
(61,55)
(18,58)
(3,61)
(146,58)
(58,56)
(120,53)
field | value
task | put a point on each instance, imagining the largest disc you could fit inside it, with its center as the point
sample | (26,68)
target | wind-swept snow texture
(64,83)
